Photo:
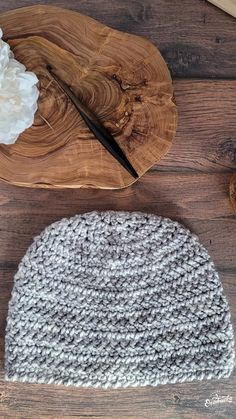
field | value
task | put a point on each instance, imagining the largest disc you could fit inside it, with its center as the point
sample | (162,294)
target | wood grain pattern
(172,195)
(232,191)
(206,133)
(165,402)
(130,92)
(195,38)
(191,185)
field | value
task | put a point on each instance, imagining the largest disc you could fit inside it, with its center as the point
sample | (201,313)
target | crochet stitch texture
(117,299)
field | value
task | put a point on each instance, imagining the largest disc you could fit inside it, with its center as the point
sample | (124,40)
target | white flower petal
(18,95)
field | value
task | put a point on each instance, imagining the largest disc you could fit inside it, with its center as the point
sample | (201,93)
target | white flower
(18,95)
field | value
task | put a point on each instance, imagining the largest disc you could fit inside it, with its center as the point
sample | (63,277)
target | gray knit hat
(117,299)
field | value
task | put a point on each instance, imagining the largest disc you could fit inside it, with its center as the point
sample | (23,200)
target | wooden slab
(178,401)
(122,78)
(195,38)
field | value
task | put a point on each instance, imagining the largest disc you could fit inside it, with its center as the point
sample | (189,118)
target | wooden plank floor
(189,185)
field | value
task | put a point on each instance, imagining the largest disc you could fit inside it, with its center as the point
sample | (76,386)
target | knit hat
(117,299)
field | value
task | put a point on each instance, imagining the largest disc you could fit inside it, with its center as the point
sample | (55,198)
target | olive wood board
(121,77)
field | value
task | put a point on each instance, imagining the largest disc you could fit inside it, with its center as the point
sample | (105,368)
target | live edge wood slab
(121,77)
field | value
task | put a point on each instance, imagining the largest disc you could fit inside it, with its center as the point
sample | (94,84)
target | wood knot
(227,150)
(140,12)
(3,397)
(123,85)
(218,40)
(176,399)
